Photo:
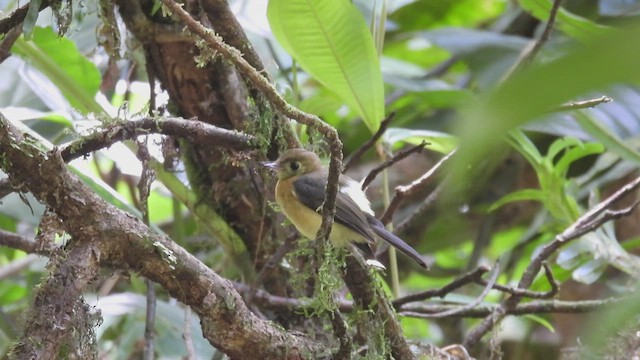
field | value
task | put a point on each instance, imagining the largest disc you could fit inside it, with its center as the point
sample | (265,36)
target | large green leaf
(331,41)
(59,59)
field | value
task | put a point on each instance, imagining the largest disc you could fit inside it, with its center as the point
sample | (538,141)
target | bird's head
(295,162)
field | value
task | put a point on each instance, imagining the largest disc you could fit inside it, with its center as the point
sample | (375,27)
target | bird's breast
(306,220)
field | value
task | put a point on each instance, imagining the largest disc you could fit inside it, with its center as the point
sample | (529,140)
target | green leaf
(59,59)
(570,24)
(542,321)
(576,153)
(331,41)
(561,144)
(520,195)
(526,147)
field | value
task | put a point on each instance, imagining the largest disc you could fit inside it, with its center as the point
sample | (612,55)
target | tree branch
(19,242)
(397,157)
(424,311)
(369,143)
(59,316)
(471,276)
(405,191)
(194,131)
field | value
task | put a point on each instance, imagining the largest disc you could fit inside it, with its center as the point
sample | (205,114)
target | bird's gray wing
(310,188)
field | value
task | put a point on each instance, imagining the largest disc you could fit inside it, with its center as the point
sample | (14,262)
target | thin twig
(271,264)
(476,301)
(533,48)
(407,190)
(340,330)
(29,246)
(16,266)
(356,155)
(534,307)
(470,277)
(279,103)
(186,335)
(546,34)
(397,157)
(528,293)
(144,189)
(583,104)
(195,131)
(7,43)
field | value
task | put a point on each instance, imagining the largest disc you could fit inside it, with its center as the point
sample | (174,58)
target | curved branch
(194,131)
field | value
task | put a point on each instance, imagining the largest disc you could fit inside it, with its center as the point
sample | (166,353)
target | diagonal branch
(402,192)
(369,143)
(397,157)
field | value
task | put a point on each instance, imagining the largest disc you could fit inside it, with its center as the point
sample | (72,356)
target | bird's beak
(270,164)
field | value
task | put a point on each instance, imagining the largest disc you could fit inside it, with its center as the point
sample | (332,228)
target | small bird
(300,193)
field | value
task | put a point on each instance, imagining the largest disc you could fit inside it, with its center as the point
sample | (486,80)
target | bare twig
(528,293)
(471,276)
(529,56)
(340,330)
(583,104)
(589,221)
(533,48)
(270,265)
(29,246)
(397,157)
(476,301)
(186,335)
(7,43)
(144,189)
(278,102)
(194,131)
(416,219)
(15,266)
(534,307)
(384,125)
(405,191)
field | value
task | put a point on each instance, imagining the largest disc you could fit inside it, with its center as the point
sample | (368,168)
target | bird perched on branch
(300,192)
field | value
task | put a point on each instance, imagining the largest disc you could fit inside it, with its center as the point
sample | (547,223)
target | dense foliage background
(529,110)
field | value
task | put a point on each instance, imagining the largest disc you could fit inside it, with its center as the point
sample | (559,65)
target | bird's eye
(294,165)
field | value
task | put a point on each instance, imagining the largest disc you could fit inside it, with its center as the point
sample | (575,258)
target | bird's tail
(396,242)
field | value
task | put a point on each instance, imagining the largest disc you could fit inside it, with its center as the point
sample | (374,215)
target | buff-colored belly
(308,221)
